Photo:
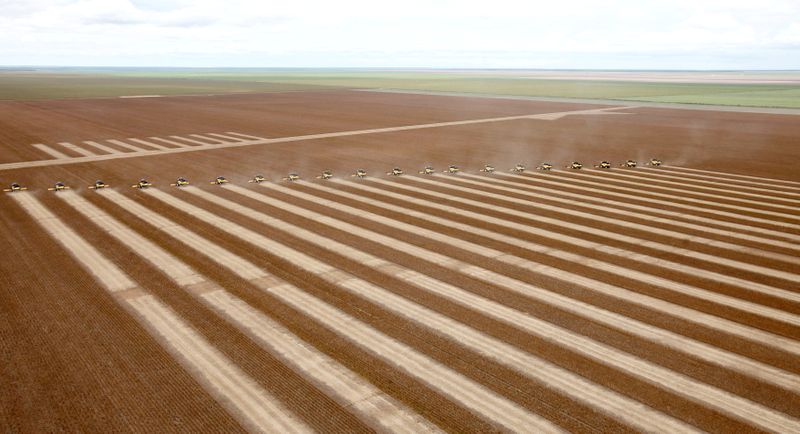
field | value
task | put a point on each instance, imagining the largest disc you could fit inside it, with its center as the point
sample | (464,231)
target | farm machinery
(395,172)
(258,179)
(574,166)
(14,187)
(291,177)
(59,186)
(98,185)
(360,173)
(142,184)
(630,164)
(180,182)
(428,170)
(219,181)
(545,166)
(326,174)
(519,168)
(603,165)
(488,169)
(452,169)
(655,162)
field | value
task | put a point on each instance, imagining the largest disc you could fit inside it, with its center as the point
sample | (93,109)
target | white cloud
(501,33)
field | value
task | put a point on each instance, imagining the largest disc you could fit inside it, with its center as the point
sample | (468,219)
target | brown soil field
(623,300)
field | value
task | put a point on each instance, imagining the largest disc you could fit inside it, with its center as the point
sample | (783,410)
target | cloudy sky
(676,34)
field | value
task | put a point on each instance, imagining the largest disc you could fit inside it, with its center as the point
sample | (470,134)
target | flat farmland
(660,299)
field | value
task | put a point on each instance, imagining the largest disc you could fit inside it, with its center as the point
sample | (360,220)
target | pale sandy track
(687,314)
(250,403)
(719,193)
(693,217)
(77,149)
(457,295)
(674,341)
(491,183)
(789,184)
(604,189)
(156,145)
(102,147)
(246,136)
(680,194)
(50,151)
(626,410)
(131,147)
(207,146)
(491,406)
(355,392)
(656,174)
(743,283)
(231,138)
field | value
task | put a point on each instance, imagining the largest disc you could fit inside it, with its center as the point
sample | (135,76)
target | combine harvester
(219,181)
(603,165)
(452,169)
(519,168)
(292,177)
(258,179)
(14,187)
(142,184)
(428,170)
(488,169)
(98,185)
(655,162)
(360,174)
(395,172)
(545,166)
(180,182)
(326,174)
(630,164)
(59,186)
(574,166)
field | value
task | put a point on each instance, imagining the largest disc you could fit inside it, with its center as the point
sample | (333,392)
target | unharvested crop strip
(736,175)
(492,183)
(679,194)
(250,403)
(50,151)
(627,410)
(615,177)
(691,270)
(474,396)
(77,149)
(355,392)
(518,182)
(657,174)
(571,183)
(622,294)
(262,141)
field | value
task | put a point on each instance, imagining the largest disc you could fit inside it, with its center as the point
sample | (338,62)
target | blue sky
(623,34)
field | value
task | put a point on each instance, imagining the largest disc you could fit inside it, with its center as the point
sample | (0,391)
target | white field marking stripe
(585,198)
(681,194)
(246,136)
(78,149)
(154,145)
(261,410)
(101,268)
(102,147)
(654,173)
(460,389)
(337,380)
(684,313)
(170,265)
(50,151)
(743,283)
(129,146)
(615,175)
(671,340)
(380,410)
(540,370)
(240,266)
(211,139)
(224,381)
(236,139)
(482,181)
(191,140)
(570,183)
(43,163)
(736,175)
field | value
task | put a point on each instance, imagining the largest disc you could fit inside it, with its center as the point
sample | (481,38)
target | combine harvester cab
(488,169)
(519,168)
(452,169)
(59,186)
(395,172)
(180,182)
(258,179)
(15,187)
(428,170)
(326,174)
(142,184)
(98,185)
